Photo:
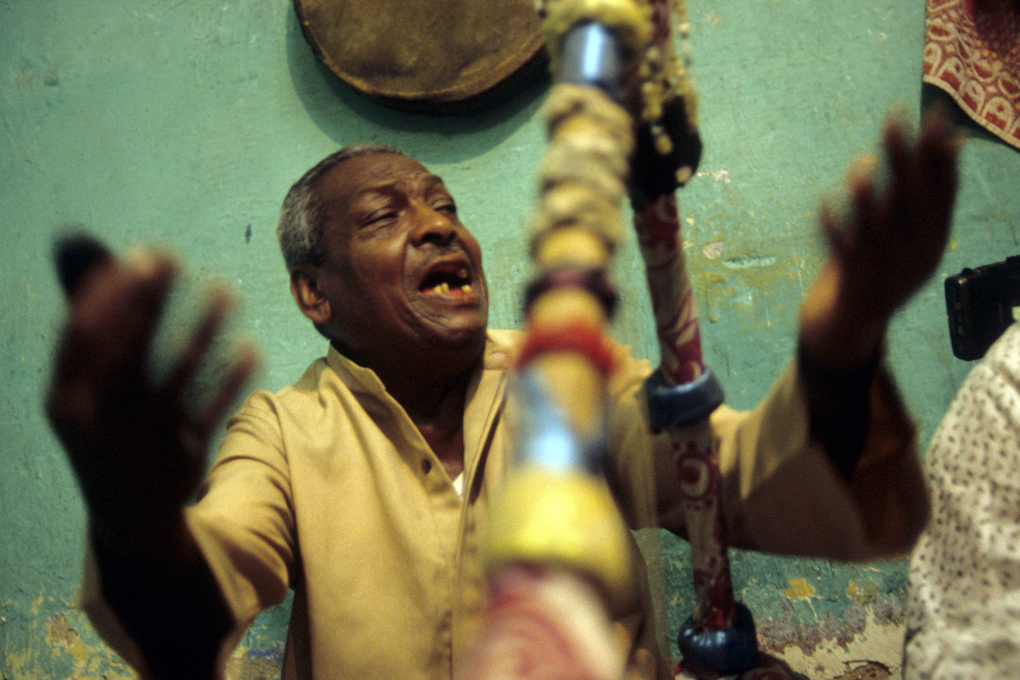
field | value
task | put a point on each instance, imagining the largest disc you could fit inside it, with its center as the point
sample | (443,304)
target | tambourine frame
(441,56)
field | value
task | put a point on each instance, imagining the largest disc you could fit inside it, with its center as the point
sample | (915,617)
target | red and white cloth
(972,51)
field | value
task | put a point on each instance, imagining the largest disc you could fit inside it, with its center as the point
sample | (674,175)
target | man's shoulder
(304,392)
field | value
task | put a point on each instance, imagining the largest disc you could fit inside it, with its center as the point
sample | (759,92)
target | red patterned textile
(972,51)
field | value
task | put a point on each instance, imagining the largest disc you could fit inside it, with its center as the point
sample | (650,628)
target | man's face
(400,270)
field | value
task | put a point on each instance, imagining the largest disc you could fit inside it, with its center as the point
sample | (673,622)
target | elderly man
(364,487)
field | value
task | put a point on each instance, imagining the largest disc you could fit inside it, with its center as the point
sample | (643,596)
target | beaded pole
(556,542)
(558,552)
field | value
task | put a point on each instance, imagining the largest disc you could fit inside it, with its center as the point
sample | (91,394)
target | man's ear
(304,286)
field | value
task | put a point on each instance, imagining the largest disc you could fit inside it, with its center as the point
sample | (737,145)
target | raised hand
(137,450)
(888,244)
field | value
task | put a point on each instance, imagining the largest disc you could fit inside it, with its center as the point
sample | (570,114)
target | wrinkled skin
(391,229)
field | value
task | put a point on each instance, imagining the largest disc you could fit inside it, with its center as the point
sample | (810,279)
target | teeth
(444,288)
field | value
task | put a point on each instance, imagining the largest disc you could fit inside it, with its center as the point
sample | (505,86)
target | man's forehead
(375,172)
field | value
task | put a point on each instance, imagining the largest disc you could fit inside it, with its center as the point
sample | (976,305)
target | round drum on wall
(426,55)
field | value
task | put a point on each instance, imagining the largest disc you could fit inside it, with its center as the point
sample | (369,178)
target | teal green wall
(183,123)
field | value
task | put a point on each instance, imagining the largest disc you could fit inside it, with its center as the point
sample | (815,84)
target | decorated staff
(614,62)
(558,551)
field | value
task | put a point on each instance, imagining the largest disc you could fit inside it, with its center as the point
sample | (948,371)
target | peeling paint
(748,261)
(23,663)
(65,653)
(242,668)
(59,633)
(865,670)
(866,644)
(713,250)
(863,594)
(261,662)
(799,588)
(53,648)
(875,654)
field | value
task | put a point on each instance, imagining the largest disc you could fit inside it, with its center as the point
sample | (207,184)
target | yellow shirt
(328,488)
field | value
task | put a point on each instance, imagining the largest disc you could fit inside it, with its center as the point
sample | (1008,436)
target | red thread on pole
(580,337)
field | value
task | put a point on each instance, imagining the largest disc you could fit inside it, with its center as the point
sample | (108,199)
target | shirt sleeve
(243,521)
(780,493)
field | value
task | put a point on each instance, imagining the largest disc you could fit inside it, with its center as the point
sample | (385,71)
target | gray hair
(300,227)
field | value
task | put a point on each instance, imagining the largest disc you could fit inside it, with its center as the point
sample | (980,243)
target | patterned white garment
(963,608)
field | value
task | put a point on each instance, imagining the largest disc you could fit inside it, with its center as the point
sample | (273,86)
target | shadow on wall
(330,103)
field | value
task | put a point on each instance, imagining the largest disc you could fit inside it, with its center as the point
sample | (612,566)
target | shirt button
(426,465)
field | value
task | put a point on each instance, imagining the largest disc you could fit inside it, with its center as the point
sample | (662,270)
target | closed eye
(380,216)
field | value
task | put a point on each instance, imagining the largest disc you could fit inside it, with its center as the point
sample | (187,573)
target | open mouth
(447,278)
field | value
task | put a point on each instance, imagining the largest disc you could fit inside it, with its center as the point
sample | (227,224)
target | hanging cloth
(972,51)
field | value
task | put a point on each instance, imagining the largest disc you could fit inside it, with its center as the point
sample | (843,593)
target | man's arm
(138,453)
(884,251)
(835,395)
(887,246)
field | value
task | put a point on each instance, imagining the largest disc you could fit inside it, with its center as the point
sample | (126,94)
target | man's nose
(432,226)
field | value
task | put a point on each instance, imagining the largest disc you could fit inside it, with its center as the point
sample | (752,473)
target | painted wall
(184,123)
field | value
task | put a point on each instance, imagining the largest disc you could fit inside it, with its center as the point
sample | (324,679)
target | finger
(860,179)
(105,340)
(243,368)
(113,316)
(832,227)
(221,301)
(100,277)
(862,212)
(939,128)
(896,141)
(865,205)
(75,254)
(938,152)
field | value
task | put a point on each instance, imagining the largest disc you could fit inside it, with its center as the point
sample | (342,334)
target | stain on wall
(49,638)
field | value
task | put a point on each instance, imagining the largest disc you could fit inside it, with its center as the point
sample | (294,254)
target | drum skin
(426,55)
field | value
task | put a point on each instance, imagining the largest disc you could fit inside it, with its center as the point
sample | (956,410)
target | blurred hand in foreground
(137,449)
(886,246)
